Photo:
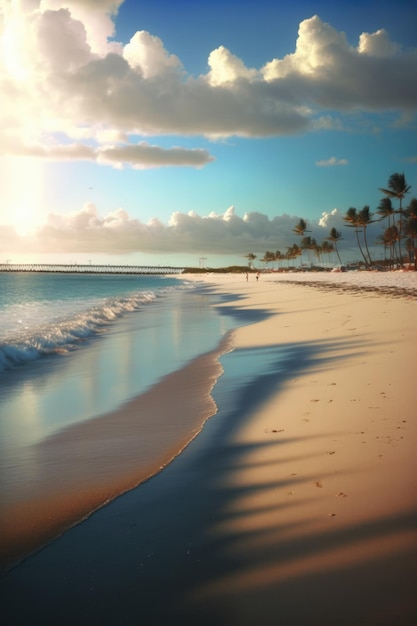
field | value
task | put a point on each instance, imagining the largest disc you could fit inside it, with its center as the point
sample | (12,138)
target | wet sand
(296,504)
(86,465)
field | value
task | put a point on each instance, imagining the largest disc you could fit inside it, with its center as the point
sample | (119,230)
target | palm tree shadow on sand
(154,556)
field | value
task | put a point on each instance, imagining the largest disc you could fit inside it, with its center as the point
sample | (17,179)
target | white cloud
(109,135)
(327,218)
(377,44)
(147,55)
(186,233)
(328,72)
(331,162)
(60,71)
(12,146)
(138,156)
(225,68)
(97,17)
(143,155)
(315,50)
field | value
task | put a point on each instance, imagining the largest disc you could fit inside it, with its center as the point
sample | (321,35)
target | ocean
(103,380)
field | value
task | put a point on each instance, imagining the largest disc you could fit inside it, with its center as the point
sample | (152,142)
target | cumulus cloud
(331,162)
(377,44)
(329,219)
(97,16)
(143,155)
(116,233)
(138,156)
(61,72)
(226,68)
(327,71)
(146,54)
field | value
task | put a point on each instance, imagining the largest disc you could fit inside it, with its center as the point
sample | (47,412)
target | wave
(65,334)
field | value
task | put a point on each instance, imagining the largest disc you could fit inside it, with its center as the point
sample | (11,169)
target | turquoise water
(76,350)
(74,347)
(42,314)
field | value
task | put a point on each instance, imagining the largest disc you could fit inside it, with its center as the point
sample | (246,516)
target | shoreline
(297,500)
(106,418)
(96,467)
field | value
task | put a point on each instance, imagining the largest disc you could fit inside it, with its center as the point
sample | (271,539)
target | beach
(296,504)
(87,419)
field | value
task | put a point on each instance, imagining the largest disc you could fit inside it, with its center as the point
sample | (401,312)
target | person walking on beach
(247,276)
(257,276)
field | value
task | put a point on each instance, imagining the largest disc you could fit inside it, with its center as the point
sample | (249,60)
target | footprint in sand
(318,483)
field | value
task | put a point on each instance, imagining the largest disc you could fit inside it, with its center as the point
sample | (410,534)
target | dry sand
(307,511)
(345,467)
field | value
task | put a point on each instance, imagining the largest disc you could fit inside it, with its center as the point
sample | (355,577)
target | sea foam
(24,342)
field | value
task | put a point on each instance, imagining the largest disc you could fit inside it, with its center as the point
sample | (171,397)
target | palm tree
(397,188)
(411,247)
(251,257)
(353,221)
(334,237)
(293,252)
(386,210)
(327,248)
(318,249)
(300,228)
(390,238)
(365,218)
(296,251)
(289,255)
(278,256)
(268,257)
(412,209)
(310,244)
(411,229)
(306,245)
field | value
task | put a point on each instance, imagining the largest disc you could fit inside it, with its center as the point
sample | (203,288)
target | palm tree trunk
(337,252)
(366,245)
(392,250)
(400,226)
(360,247)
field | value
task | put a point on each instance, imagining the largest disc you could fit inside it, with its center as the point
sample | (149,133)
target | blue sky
(163,132)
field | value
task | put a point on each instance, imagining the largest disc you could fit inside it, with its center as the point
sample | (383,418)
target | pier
(57,268)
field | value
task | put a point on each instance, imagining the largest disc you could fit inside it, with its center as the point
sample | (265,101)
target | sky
(195,132)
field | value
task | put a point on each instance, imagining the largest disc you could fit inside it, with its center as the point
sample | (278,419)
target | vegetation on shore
(400,234)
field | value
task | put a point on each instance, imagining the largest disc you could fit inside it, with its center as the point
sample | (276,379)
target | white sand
(345,475)
(302,511)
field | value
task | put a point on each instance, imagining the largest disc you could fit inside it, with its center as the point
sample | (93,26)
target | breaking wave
(65,333)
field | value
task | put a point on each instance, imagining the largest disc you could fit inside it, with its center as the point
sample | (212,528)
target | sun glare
(22,194)
(11,42)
